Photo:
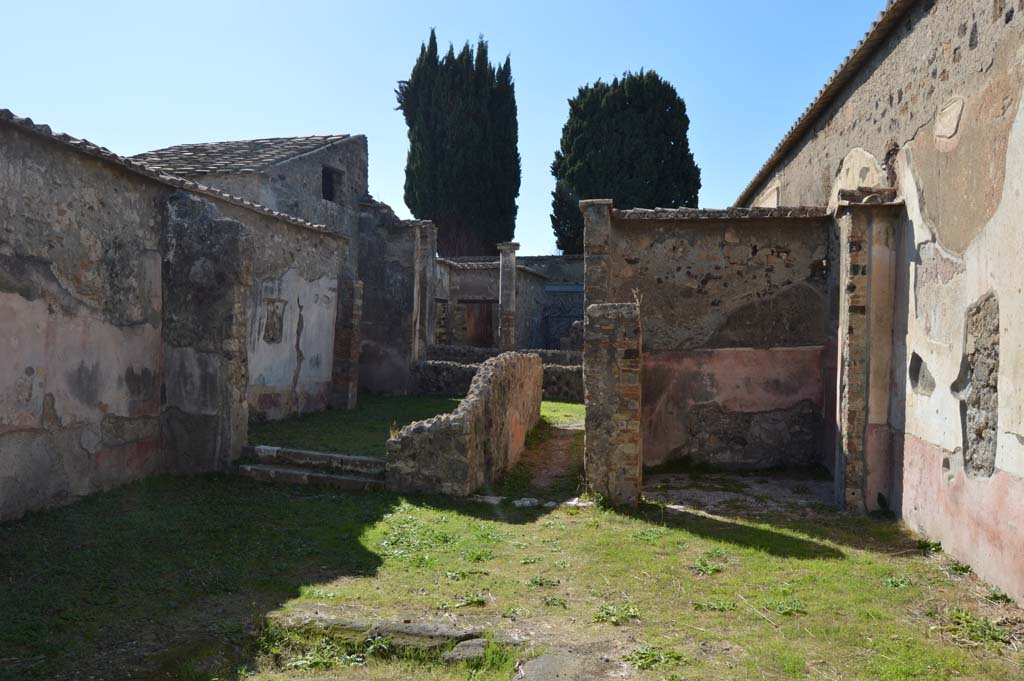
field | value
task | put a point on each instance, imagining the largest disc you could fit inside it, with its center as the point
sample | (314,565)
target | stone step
(307,476)
(330,462)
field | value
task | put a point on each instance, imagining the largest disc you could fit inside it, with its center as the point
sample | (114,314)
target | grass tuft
(647,657)
(616,615)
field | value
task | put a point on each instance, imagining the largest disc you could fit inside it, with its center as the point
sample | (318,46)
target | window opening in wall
(331,183)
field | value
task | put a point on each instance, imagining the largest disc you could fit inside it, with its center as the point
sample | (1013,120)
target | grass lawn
(362,430)
(172,578)
(365,429)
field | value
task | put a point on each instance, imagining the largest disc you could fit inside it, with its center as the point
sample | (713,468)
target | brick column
(507,296)
(867,275)
(613,452)
(597,228)
(347,346)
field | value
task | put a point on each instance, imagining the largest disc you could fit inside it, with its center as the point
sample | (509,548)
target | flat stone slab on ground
(472,649)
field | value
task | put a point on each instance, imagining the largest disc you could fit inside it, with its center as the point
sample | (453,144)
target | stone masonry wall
(80,300)
(934,109)
(736,317)
(613,455)
(460,452)
(126,306)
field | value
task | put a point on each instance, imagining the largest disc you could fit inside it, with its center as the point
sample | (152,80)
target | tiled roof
(86,147)
(243,156)
(894,11)
(734,213)
(477,262)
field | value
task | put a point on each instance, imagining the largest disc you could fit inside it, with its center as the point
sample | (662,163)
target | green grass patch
(562,413)
(164,575)
(363,430)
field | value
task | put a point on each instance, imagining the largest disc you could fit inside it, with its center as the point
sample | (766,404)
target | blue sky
(141,75)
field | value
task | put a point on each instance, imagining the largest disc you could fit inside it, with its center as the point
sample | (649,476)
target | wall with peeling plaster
(127,306)
(736,315)
(937,112)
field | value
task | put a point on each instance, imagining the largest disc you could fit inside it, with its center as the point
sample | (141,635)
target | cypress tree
(626,141)
(463,166)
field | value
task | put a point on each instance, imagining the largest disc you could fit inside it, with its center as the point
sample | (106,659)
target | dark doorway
(480,324)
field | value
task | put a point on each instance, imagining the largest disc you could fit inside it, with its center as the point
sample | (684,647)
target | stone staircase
(349,472)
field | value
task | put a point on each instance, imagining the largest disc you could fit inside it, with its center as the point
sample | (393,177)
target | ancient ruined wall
(388,269)
(80,300)
(736,315)
(298,186)
(459,452)
(126,306)
(292,306)
(612,366)
(529,310)
(936,111)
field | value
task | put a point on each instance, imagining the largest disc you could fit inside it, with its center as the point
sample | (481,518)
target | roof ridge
(873,37)
(236,156)
(91,149)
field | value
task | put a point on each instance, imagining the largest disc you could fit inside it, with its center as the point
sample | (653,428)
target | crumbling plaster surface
(940,287)
(80,300)
(942,52)
(741,284)
(736,315)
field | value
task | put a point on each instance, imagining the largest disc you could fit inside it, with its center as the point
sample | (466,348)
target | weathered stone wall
(80,300)
(388,268)
(293,304)
(613,451)
(736,315)
(127,307)
(459,452)
(468,354)
(935,111)
(450,368)
(445,379)
(299,187)
(563,383)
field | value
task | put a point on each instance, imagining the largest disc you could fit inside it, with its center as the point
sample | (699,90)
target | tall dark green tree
(627,141)
(463,168)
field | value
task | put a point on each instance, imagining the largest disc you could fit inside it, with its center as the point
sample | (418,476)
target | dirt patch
(554,458)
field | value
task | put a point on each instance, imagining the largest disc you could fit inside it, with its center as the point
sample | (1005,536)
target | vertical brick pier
(613,453)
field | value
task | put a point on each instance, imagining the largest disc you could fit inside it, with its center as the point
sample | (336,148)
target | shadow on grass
(780,544)
(137,582)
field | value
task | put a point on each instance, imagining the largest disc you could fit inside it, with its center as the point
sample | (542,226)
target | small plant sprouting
(898,582)
(704,566)
(542,581)
(648,657)
(958,568)
(528,561)
(977,629)
(377,646)
(513,612)
(714,606)
(787,608)
(927,546)
(555,602)
(650,535)
(616,614)
(996,595)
